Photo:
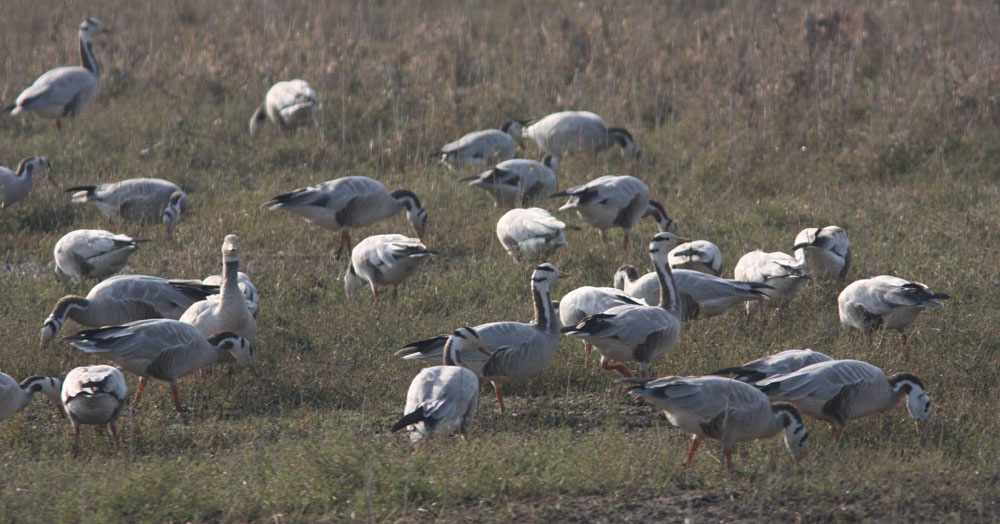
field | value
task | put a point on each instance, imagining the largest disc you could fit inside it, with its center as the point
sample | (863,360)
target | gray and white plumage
(384,260)
(136,199)
(781,271)
(94,395)
(530,233)
(697,255)
(615,201)
(518,182)
(92,253)
(15,185)
(584,301)
(15,396)
(569,132)
(885,302)
(826,251)
(289,105)
(246,287)
(481,147)
(713,295)
(778,364)
(228,312)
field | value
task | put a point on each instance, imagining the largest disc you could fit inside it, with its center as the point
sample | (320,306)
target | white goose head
(662,244)
(30,165)
(352,281)
(48,386)
(415,213)
(544,276)
(513,128)
(464,339)
(918,402)
(89,29)
(239,347)
(231,249)
(172,213)
(796,434)
(624,139)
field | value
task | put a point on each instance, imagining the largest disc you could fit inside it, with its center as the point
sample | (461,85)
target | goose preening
(517,350)
(615,201)
(480,147)
(136,199)
(346,203)
(65,91)
(94,395)
(92,253)
(14,397)
(826,251)
(531,233)
(518,182)
(125,298)
(15,185)
(637,332)
(443,399)
(722,409)
(164,349)
(885,302)
(778,364)
(229,312)
(701,294)
(246,287)
(781,271)
(288,105)
(837,391)
(697,255)
(384,260)
(588,300)
(570,132)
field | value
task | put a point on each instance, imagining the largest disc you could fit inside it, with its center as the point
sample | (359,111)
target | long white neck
(87,58)
(230,289)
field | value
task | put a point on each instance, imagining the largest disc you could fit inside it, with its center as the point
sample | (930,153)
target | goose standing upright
(570,132)
(92,253)
(710,295)
(382,260)
(781,271)
(288,105)
(479,147)
(531,232)
(94,395)
(14,397)
(229,312)
(826,251)
(615,201)
(136,199)
(588,300)
(518,182)
(15,185)
(786,361)
(885,302)
(697,255)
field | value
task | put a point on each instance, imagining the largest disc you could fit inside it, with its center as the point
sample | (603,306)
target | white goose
(288,105)
(885,302)
(697,255)
(92,253)
(94,395)
(588,300)
(722,409)
(346,203)
(65,91)
(14,397)
(246,287)
(781,271)
(480,147)
(615,201)
(710,295)
(570,132)
(778,364)
(838,391)
(518,181)
(383,260)
(531,232)
(15,185)
(826,251)
(443,399)
(136,199)
(229,312)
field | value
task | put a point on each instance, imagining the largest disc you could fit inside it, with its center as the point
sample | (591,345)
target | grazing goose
(382,260)
(136,199)
(531,232)
(15,185)
(710,295)
(93,395)
(518,182)
(443,399)
(697,255)
(350,202)
(637,332)
(480,147)
(229,312)
(723,409)
(615,201)
(125,298)
(781,271)
(92,253)
(14,397)
(246,287)
(778,364)
(289,105)
(588,300)
(837,391)
(517,350)
(65,91)
(162,348)
(825,251)
(570,132)
(885,302)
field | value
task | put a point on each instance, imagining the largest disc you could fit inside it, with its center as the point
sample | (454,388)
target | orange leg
(177,402)
(691,449)
(626,240)
(138,391)
(76,440)
(114,432)
(616,367)
(345,241)
(729,459)
(904,338)
(499,394)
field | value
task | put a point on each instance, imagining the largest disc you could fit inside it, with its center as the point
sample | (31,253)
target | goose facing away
(246,287)
(826,251)
(136,199)
(615,201)
(480,147)
(288,105)
(14,396)
(701,294)
(94,395)
(518,181)
(532,233)
(722,409)
(697,255)
(885,302)
(570,132)
(229,312)
(383,260)
(92,253)
(15,185)
(786,361)
(588,300)
(781,271)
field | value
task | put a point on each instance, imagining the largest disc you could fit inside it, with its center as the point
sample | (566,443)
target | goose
(837,391)
(289,105)
(349,202)
(93,395)
(136,199)
(722,409)
(778,364)
(518,181)
(826,251)
(637,332)
(531,232)
(443,399)
(382,260)
(125,298)
(584,301)
(229,312)
(480,147)
(517,350)
(702,294)
(15,185)
(781,271)
(697,255)
(570,132)
(615,201)
(65,91)
(885,302)
(162,348)
(246,287)
(92,253)
(14,397)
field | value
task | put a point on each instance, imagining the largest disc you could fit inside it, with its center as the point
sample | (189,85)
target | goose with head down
(518,181)
(289,105)
(826,251)
(780,271)
(531,233)
(615,201)
(136,199)
(885,302)
(384,260)
(481,147)
(15,396)
(569,132)
(92,253)
(94,395)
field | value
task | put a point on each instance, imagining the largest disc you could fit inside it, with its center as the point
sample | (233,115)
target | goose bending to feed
(14,397)
(826,251)
(531,232)
(136,199)
(837,391)
(383,260)
(778,364)
(246,287)
(701,294)
(125,298)
(229,312)
(480,147)
(346,203)
(570,132)
(885,302)
(588,300)
(697,255)
(615,201)
(65,91)
(781,271)
(722,409)
(15,185)
(92,253)
(163,349)
(94,395)
(288,105)
(518,181)
(443,399)
(517,350)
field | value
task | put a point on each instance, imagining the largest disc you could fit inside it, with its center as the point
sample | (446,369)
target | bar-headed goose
(826,251)
(722,409)
(288,105)
(94,395)
(615,201)
(15,185)
(346,203)
(588,300)
(14,397)
(570,132)
(92,253)
(781,271)
(697,255)
(246,287)
(481,147)
(518,182)
(885,302)
(531,233)
(229,312)
(778,364)
(136,199)
(701,294)
(443,399)
(384,260)
(837,391)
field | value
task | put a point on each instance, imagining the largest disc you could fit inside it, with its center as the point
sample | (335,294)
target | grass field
(756,120)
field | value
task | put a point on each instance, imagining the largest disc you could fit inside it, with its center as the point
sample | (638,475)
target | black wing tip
(79,188)
(408,419)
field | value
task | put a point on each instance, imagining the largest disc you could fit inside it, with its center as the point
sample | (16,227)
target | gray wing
(57,87)
(822,380)
(705,397)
